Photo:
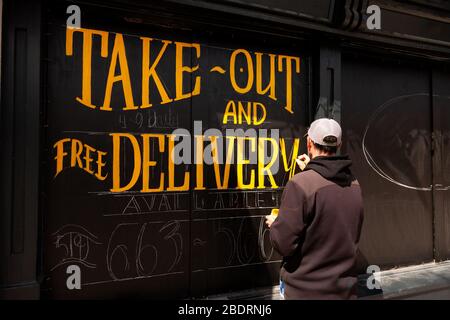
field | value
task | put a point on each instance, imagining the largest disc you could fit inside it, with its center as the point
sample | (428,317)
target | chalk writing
(76,242)
(137,253)
(226,200)
(150,203)
(241,240)
(149,119)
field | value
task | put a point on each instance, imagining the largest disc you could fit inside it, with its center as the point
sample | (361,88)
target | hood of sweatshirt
(333,168)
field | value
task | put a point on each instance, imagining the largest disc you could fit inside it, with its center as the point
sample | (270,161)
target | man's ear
(309,143)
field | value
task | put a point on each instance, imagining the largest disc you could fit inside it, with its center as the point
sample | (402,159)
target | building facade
(93,94)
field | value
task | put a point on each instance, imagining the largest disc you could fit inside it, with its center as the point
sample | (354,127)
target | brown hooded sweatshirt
(318,229)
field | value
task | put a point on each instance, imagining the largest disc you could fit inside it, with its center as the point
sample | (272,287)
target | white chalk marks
(390,131)
(241,241)
(153,249)
(134,249)
(138,204)
(76,242)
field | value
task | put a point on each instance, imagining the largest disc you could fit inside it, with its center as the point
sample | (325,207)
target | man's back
(318,229)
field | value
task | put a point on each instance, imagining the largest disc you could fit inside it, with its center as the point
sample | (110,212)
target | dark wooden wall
(352,73)
(20,127)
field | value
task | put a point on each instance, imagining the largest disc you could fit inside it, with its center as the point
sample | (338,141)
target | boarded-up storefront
(91,117)
(121,98)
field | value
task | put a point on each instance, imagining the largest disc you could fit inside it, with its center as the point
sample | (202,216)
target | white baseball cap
(322,128)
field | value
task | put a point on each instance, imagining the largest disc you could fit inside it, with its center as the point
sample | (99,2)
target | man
(319,222)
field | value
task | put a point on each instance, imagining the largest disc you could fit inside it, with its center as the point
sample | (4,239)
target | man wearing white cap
(319,222)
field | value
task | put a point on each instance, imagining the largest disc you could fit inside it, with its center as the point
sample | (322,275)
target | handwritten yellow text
(81,156)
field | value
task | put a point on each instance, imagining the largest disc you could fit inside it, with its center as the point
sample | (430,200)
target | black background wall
(388,87)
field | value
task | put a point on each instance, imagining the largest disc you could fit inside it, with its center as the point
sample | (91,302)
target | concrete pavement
(430,281)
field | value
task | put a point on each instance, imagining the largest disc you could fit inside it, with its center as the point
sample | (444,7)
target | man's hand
(302,161)
(270,219)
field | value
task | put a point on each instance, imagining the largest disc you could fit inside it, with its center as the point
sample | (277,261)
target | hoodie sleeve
(287,227)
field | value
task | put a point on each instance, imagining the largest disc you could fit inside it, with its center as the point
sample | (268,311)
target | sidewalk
(429,281)
(426,281)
